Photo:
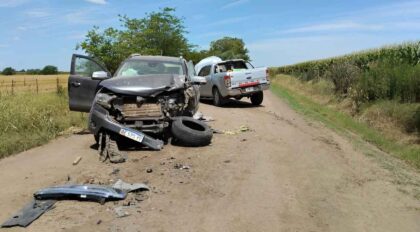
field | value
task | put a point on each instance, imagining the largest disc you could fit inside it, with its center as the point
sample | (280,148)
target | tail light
(267,74)
(227,81)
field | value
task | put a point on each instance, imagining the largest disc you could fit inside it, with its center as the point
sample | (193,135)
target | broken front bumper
(99,119)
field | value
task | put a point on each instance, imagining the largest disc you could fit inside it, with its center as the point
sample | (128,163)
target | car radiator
(134,111)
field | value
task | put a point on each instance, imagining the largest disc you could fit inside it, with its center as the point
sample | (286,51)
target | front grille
(133,111)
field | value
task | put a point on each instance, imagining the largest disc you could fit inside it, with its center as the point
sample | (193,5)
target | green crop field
(379,88)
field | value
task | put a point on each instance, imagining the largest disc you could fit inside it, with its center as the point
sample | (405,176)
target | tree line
(158,33)
(47,70)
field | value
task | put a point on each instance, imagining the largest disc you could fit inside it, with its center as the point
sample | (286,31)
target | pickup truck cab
(232,79)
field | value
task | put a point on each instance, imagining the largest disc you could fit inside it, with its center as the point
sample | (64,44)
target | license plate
(132,135)
(250,89)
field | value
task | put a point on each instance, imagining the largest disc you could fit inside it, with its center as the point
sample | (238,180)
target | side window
(249,65)
(85,67)
(205,71)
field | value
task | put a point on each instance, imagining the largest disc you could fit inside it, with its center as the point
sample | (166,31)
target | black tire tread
(190,137)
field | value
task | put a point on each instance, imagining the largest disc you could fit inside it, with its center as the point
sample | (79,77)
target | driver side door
(82,87)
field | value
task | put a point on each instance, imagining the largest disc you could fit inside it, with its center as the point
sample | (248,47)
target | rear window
(231,66)
(147,67)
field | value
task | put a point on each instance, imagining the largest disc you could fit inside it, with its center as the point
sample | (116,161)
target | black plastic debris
(29,213)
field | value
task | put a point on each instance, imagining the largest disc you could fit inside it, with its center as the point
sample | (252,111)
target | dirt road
(286,174)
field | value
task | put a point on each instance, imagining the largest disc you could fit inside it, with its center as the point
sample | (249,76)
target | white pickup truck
(232,79)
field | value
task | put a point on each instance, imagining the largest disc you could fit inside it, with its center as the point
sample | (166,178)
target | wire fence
(32,84)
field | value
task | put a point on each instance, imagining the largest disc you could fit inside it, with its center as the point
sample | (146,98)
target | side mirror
(198,80)
(100,75)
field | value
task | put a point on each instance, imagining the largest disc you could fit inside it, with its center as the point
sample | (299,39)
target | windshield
(147,67)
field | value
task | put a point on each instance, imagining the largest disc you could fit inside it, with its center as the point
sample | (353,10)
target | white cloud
(11,3)
(100,2)
(229,21)
(37,13)
(337,26)
(234,3)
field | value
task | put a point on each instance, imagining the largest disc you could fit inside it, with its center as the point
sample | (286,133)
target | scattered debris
(72,130)
(121,212)
(77,160)
(99,222)
(141,197)
(29,213)
(123,186)
(115,171)
(97,193)
(227,161)
(201,117)
(229,132)
(242,128)
(149,170)
(215,131)
(198,115)
(243,140)
(181,166)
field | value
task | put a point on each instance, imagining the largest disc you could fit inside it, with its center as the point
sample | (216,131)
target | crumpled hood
(145,85)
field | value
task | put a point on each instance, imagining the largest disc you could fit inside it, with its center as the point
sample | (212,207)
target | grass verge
(28,120)
(344,123)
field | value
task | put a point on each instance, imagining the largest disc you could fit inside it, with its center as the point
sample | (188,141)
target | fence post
(37,88)
(13,86)
(24,81)
(58,84)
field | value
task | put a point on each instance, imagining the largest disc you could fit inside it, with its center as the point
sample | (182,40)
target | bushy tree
(49,69)
(229,48)
(33,71)
(195,56)
(8,71)
(158,33)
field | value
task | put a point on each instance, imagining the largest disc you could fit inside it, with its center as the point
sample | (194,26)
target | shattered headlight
(104,100)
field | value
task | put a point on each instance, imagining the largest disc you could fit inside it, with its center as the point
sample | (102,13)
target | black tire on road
(257,98)
(191,132)
(218,100)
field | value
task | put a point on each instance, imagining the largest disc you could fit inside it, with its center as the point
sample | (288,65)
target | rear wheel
(218,100)
(257,98)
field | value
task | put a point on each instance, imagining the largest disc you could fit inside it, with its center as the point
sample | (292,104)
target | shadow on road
(232,103)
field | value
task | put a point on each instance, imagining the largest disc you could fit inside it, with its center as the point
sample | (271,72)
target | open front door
(81,86)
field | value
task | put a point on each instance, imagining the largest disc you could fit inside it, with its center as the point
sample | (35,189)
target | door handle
(76,84)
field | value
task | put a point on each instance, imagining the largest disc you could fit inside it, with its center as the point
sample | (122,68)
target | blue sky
(35,33)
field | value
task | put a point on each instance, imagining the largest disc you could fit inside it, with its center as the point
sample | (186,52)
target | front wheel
(218,100)
(257,98)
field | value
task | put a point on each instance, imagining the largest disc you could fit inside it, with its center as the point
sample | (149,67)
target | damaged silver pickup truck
(148,100)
